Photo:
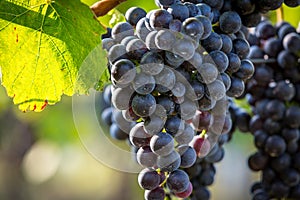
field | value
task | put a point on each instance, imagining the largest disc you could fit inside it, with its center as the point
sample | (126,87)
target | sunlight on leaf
(43,45)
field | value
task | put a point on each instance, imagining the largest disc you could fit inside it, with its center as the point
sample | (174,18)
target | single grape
(193,27)
(182,47)
(146,157)
(216,90)
(165,39)
(143,83)
(134,14)
(272,47)
(246,70)
(230,22)
(141,29)
(201,145)
(155,123)
(117,52)
(106,116)
(292,117)
(107,43)
(136,49)
(170,162)
(286,59)
(220,59)
(166,78)
(213,42)
(226,44)
(241,48)
(178,181)
(275,146)
(150,41)
(156,194)
(291,42)
(127,39)
(187,109)
(143,105)
(202,120)
(237,87)
(207,27)
(174,125)
(117,133)
(258,161)
(123,71)
(208,73)
(193,9)
(188,156)
(162,144)
(175,25)
(152,63)
(148,179)
(160,19)
(186,136)
(185,193)
(138,137)
(118,119)
(265,30)
(121,30)
(121,97)
(179,11)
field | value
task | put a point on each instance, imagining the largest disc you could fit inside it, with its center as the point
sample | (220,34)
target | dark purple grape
(134,14)
(179,11)
(123,71)
(275,146)
(162,144)
(213,42)
(258,161)
(148,179)
(178,181)
(188,156)
(265,30)
(146,157)
(292,117)
(160,19)
(138,137)
(241,48)
(117,133)
(121,30)
(156,194)
(143,105)
(230,22)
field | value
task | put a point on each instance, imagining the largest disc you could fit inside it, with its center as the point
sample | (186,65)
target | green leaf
(43,45)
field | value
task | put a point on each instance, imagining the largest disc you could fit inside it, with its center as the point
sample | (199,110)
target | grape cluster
(274,94)
(172,71)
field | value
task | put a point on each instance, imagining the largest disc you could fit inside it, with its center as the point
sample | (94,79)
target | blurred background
(42,157)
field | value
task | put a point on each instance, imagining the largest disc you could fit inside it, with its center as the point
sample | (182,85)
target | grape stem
(263,61)
(101,8)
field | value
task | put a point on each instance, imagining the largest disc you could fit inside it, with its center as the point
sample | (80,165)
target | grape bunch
(274,94)
(172,72)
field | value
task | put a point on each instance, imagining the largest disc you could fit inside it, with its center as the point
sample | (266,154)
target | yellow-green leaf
(43,45)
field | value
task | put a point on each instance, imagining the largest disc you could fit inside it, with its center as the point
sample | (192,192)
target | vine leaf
(44,45)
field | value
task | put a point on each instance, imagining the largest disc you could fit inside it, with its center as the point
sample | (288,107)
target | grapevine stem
(279,14)
(101,8)
(263,61)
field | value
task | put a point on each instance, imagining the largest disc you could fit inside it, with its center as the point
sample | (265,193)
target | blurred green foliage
(291,15)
